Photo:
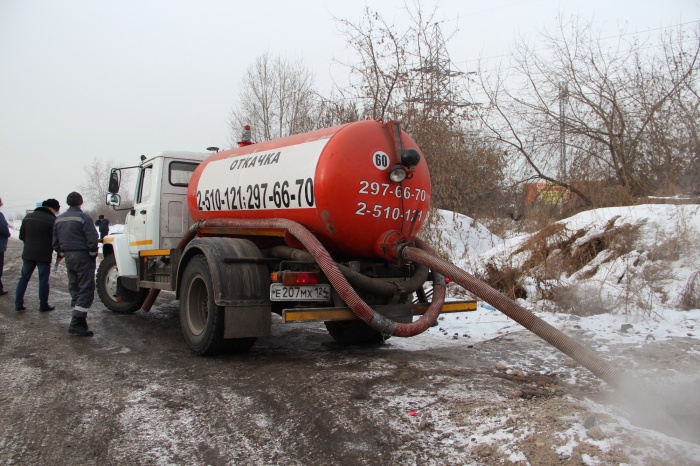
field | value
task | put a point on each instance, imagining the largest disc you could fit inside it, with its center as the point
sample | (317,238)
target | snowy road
(135,394)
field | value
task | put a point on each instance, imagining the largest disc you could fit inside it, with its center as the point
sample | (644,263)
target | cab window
(180,173)
(145,183)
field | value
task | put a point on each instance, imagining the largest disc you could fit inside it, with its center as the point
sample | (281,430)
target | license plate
(280,292)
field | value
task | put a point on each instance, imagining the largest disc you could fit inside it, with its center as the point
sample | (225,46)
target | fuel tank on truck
(334,181)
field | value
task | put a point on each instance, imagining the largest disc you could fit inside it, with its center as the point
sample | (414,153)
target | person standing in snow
(102,224)
(37,233)
(75,239)
(4,235)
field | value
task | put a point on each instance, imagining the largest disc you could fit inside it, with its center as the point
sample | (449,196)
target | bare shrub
(580,301)
(621,239)
(690,297)
(542,240)
(609,195)
(668,249)
(431,233)
(506,279)
(586,252)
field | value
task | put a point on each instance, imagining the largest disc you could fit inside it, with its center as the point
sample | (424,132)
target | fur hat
(74,199)
(53,203)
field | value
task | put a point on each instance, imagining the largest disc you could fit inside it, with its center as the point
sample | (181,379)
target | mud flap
(248,321)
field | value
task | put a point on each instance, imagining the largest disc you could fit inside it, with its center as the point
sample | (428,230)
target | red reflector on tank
(301,278)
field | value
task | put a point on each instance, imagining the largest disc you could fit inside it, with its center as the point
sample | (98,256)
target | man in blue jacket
(75,239)
(37,233)
(102,224)
(4,234)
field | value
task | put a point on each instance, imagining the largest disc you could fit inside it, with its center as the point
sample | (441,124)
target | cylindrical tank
(334,181)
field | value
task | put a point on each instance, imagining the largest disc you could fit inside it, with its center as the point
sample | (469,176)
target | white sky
(115,79)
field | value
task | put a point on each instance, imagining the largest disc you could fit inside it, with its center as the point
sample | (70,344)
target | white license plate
(280,292)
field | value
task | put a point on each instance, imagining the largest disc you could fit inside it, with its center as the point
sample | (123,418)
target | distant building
(545,193)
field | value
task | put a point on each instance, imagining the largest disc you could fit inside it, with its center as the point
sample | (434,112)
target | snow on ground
(487,323)
(464,238)
(673,227)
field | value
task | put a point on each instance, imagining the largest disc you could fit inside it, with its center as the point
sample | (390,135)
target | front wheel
(202,321)
(106,281)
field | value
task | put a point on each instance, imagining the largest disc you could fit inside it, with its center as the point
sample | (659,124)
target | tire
(354,332)
(106,283)
(201,320)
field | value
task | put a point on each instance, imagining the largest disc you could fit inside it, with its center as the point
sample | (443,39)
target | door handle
(142,212)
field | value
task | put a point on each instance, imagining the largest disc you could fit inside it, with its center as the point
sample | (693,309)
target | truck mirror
(114,181)
(113,200)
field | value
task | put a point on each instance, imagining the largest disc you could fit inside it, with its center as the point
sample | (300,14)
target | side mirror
(113,200)
(114,181)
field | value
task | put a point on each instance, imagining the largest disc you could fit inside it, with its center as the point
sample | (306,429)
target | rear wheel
(202,321)
(106,282)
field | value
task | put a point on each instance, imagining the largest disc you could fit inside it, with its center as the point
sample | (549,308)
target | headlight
(397,174)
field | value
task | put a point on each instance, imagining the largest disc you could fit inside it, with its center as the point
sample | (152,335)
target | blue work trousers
(27,271)
(81,280)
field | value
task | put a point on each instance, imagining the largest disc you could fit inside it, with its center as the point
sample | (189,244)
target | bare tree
(335,111)
(577,109)
(407,75)
(94,191)
(382,66)
(276,99)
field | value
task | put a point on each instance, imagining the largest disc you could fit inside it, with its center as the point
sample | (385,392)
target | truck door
(143,224)
(175,218)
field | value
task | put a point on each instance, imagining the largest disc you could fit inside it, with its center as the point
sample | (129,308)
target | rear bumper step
(313,314)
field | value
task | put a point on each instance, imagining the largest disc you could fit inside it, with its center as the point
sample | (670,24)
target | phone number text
(280,195)
(374,188)
(393,213)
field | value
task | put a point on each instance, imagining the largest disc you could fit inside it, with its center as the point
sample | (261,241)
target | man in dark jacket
(37,233)
(102,224)
(4,235)
(75,239)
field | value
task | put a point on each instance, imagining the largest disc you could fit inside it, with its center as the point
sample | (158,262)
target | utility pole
(563,99)
(436,85)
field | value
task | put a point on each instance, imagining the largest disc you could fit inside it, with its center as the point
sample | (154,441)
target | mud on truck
(307,227)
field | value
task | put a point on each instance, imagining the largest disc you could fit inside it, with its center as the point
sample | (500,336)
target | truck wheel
(106,282)
(354,332)
(202,321)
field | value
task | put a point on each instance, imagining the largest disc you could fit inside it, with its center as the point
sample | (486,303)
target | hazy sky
(115,79)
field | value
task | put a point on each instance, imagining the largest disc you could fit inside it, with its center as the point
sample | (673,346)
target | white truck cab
(157,219)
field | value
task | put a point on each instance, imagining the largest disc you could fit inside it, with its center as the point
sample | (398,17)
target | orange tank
(334,181)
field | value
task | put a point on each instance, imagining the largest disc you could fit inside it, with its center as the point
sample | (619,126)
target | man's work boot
(79,327)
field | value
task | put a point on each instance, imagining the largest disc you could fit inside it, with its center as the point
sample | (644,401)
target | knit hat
(53,203)
(74,199)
